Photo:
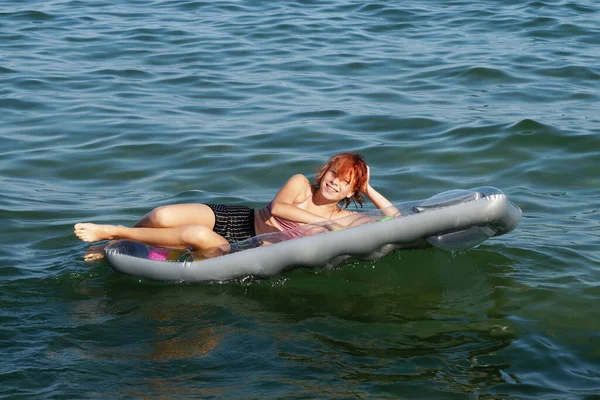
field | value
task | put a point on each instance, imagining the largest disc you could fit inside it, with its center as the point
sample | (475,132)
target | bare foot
(95,253)
(93,232)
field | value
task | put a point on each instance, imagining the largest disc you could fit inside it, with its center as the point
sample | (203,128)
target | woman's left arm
(378,199)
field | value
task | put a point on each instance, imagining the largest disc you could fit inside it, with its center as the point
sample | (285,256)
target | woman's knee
(161,217)
(201,237)
(196,235)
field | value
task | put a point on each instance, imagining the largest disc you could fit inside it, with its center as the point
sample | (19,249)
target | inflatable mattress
(455,220)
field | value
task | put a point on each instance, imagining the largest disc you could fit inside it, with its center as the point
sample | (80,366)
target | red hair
(351,166)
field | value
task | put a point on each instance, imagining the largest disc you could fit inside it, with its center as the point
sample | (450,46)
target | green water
(109,109)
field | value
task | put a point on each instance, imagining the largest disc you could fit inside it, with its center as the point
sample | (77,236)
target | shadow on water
(365,327)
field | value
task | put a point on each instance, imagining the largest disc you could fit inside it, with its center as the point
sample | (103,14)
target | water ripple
(110,109)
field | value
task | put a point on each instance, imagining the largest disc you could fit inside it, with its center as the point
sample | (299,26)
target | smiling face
(336,186)
(342,178)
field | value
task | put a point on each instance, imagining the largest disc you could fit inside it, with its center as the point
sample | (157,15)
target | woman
(205,227)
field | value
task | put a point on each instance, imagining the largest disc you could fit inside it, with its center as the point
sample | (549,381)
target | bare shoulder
(294,189)
(299,179)
(299,182)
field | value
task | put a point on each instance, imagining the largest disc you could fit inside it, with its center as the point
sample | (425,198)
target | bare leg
(178,215)
(171,216)
(199,237)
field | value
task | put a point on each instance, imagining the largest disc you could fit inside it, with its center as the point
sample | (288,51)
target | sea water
(111,108)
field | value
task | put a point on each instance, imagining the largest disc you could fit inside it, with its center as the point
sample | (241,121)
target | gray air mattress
(456,220)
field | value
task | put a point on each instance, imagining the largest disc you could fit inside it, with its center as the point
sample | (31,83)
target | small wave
(127,73)
(28,15)
(571,72)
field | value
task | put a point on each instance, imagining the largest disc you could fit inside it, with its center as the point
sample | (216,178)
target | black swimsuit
(234,223)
